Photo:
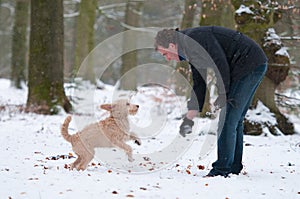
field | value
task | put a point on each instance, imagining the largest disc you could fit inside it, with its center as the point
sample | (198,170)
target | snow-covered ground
(34,157)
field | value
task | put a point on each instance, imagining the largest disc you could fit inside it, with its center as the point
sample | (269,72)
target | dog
(110,132)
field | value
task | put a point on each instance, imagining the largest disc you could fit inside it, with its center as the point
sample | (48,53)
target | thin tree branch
(290,38)
(287,97)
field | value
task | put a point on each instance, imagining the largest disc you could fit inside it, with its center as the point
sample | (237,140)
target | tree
(255,23)
(45,78)
(6,27)
(129,60)
(19,44)
(85,37)
(182,67)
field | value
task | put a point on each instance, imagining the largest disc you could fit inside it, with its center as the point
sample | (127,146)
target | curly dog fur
(111,132)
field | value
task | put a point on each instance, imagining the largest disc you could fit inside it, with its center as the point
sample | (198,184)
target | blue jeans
(230,140)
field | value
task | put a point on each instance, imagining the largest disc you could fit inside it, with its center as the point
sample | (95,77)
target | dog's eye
(127,104)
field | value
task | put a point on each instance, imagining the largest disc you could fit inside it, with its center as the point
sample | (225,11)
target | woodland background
(43,43)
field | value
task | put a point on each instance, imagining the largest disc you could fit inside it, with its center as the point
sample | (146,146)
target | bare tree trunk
(19,44)
(46,90)
(6,15)
(182,67)
(85,40)
(129,60)
(70,38)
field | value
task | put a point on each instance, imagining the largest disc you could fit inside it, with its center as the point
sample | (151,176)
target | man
(239,64)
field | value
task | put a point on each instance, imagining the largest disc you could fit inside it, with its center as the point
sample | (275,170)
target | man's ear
(172,46)
(107,107)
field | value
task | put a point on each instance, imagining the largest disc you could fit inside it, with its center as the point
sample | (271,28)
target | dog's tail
(64,129)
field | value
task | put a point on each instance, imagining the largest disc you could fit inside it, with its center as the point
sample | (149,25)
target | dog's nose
(137,106)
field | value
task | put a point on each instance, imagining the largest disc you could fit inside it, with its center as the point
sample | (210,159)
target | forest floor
(35,157)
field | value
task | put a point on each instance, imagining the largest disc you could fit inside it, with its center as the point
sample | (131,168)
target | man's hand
(191,114)
(186,127)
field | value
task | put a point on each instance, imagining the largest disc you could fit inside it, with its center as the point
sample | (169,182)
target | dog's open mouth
(133,111)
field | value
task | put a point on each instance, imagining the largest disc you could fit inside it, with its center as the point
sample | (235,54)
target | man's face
(170,53)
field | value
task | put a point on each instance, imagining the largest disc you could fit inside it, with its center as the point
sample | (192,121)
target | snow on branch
(69,15)
(290,38)
(273,37)
(74,13)
(244,9)
(283,52)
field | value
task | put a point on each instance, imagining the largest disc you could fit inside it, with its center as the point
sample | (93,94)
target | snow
(293,95)
(273,37)
(272,34)
(283,52)
(34,154)
(244,9)
(261,114)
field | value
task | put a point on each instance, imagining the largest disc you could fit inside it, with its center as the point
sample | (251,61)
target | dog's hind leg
(75,163)
(87,158)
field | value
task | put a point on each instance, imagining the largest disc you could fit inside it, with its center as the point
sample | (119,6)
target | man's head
(165,43)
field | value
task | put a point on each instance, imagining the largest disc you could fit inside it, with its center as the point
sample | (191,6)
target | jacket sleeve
(199,89)
(222,70)
(203,51)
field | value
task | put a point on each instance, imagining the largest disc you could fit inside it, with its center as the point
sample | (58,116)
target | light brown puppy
(111,132)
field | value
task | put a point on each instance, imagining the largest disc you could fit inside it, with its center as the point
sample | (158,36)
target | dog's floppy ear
(107,107)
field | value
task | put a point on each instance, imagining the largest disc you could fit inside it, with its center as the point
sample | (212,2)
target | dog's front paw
(138,142)
(71,166)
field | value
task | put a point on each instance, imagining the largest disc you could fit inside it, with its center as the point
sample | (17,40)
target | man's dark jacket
(233,55)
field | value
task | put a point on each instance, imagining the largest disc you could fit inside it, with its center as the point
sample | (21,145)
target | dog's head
(121,108)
